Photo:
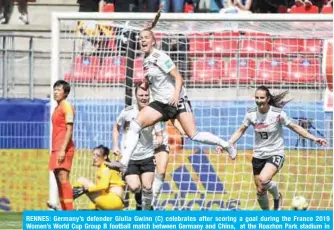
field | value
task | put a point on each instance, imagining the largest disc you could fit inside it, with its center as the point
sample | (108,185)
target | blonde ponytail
(156,19)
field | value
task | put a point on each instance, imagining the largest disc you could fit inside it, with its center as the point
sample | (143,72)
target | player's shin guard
(130,143)
(271,186)
(147,197)
(210,139)
(66,195)
(157,185)
(262,199)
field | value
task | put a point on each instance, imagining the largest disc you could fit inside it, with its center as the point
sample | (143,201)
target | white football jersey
(145,146)
(268,129)
(157,67)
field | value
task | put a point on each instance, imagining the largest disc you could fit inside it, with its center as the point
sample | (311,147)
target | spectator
(238,6)
(97,35)
(271,6)
(175,5)
(318,3)
(209,5)
(189,6)
(128,5)
(6,9)
(242,4)
(23,9)
(88,5)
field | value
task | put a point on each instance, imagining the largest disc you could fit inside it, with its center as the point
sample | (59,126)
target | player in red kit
(62,144)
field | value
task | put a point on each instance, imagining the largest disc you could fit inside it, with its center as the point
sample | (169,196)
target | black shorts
(141,166)
(162,148)
(258,164)
(170,112)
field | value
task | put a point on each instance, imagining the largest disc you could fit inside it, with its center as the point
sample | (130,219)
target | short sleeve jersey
(62,115)
(145,146)
(268,129)
(157,67)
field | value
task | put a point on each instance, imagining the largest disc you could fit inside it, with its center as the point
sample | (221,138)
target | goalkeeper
(107,193)
(140,173)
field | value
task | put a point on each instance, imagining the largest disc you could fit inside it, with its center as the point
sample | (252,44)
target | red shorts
(66,164)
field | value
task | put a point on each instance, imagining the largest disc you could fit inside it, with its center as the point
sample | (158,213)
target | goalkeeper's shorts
(109,201)
(66,164)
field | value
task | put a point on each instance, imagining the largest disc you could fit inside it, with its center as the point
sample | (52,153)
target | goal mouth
(223,59)
(208,23)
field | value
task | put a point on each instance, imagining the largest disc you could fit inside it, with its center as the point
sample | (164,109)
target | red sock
(66,196)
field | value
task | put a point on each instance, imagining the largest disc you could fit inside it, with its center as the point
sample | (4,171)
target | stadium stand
(112,70)
(328,9)
(84,69)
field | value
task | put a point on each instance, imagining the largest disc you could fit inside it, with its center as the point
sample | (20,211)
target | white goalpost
(222,58)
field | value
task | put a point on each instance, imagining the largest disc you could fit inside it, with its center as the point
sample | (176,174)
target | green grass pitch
(10,220)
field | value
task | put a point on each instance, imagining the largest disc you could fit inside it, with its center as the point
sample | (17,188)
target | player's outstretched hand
(232,152)
(321,141)
(78,191)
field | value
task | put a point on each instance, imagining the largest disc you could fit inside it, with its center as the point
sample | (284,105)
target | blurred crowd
(210,6)
(6,9)
(179,6)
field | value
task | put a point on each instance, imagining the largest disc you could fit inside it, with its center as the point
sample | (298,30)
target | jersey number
(184,105)
(277,160)
(264,135)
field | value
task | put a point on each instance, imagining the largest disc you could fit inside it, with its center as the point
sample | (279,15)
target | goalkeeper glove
(78,191)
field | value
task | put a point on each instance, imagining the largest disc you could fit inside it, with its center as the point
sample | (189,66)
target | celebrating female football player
(268,155)
(170,100)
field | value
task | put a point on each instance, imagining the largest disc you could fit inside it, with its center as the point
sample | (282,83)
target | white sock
(263,201)
(147,197)
(53,189)
(157,185)
(271,186)
(210,139)
(130,143)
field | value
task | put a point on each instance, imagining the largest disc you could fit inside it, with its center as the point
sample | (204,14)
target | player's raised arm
(304,133)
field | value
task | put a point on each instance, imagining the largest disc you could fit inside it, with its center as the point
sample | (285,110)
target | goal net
(222,59)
